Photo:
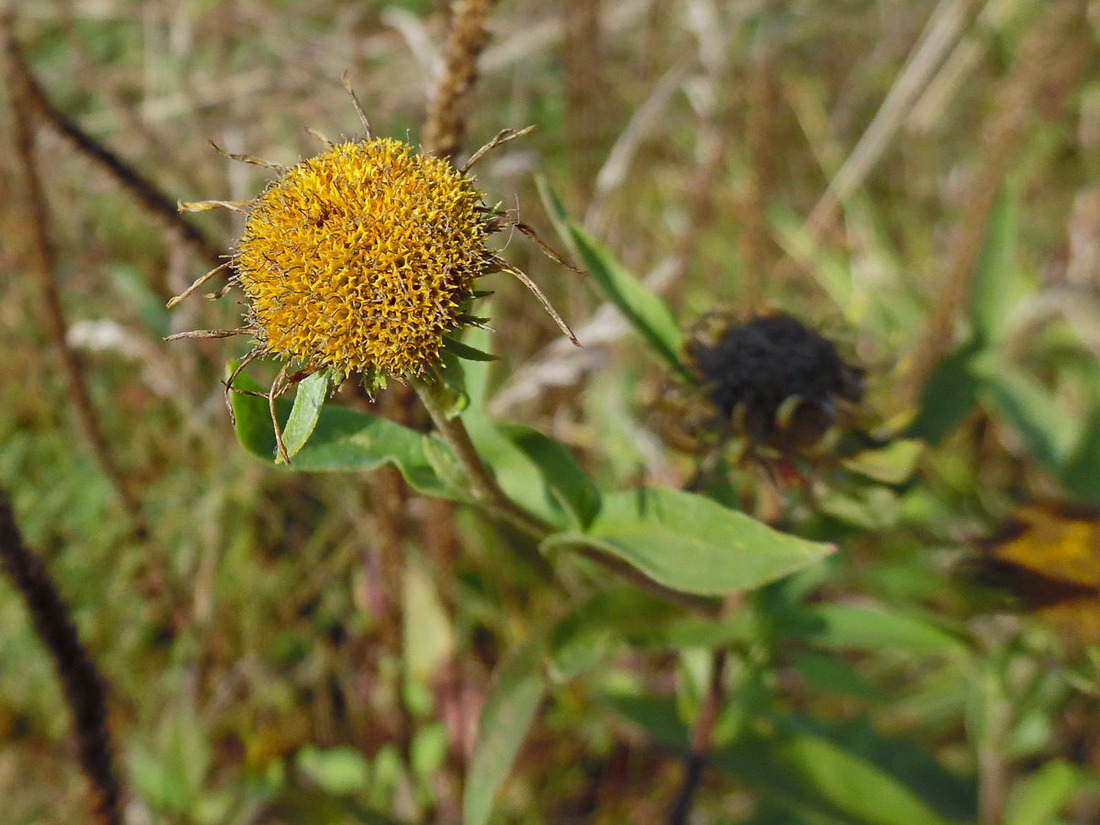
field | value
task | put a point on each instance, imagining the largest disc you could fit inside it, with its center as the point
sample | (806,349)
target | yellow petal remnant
(361,259)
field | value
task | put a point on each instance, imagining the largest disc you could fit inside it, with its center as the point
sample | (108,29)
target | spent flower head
(362,260)
(770,385)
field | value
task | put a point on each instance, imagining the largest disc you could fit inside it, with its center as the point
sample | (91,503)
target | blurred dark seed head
(772,379)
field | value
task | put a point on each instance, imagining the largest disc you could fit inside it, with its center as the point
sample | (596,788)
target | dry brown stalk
(84,689)
(761,124)
(41,264)
(584,96)
(1053,53)
(446,125)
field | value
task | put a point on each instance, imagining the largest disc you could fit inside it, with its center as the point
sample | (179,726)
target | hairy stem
(84,689)
(41,263)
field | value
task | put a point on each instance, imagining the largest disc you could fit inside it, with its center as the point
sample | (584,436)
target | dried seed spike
(547,250)
(276,391)
(202,279)
(210,333)
(206,206)
(356,104)
(527,282)
(255,161)
(253,354)
(503,136)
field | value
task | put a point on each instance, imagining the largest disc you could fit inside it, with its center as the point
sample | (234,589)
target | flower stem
(483,484)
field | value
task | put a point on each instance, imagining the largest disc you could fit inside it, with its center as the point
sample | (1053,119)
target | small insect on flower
(361,260)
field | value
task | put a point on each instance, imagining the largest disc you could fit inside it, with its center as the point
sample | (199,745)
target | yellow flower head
(362,258)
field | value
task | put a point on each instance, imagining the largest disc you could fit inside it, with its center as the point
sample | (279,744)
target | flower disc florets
(362,258)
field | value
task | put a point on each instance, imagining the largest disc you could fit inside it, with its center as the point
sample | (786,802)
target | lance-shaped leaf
(689,543)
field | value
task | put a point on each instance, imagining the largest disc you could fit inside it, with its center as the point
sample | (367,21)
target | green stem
(483,484)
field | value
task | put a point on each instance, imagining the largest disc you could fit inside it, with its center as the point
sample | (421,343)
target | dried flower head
(362,260)
(771,384)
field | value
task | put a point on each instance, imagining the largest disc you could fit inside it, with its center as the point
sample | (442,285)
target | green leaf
(646,312)
(876,629)
(534,470)
(656,715)
(560,473)
(869,507)
(689,543)
(586,635)
(999,282)
(171,777)
(343,440)
(891,464)
(508,715)
(1078,473)
(340,770)
(1029,408)
(833,271)
(949,395)
(814,777)
(1039,798)
(468,352)
(427,635)
(310,396)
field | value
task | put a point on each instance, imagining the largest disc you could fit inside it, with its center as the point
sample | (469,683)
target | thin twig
(84,688)
(525,279)
(278,387)
(940,34)
(249,159)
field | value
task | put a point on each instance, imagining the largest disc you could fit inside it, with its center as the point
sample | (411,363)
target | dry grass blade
(252,355)
(358,106)
(206,206)
(1051,56)
(278,387)
(542,299)
(250,159)
(209,333)
(547,250)
(202,279)
(503,136)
